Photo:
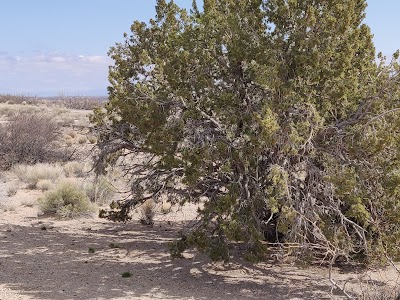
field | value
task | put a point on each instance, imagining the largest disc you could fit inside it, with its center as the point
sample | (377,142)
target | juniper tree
(275,115)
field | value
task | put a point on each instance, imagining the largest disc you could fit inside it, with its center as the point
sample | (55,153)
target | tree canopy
(275,115)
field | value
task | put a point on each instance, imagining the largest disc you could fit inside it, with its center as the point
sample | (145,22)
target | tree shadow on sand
(57,264)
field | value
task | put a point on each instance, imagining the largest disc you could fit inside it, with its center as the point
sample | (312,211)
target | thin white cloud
(59,59)
(52,73)
(94,59)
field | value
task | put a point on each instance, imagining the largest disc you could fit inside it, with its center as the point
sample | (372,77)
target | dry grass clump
(100,191)
(71,133)
(28,202)
(35,173)
(69,141)
(165,207)
(74,168)
(44,184)
(7,206)
(92,139)
(10,110)
(12,189)
(147,212)
(82,139)
(67,200)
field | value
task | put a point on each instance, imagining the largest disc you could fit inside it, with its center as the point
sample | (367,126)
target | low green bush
(67,200)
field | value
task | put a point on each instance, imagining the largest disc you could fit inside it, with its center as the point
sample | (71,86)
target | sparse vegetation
(74,168)
(374,290)
(12,189)
(28,202)
(71,133)
(17,99)
(126,274)
(80,102)
(100,191)
(32,174)
(82,139)
(7,110)
(29,138)
(92,139)
(7,206)
(69,141)
(113,246)
(44,184)
(67,200)
(165,207)
(147,212)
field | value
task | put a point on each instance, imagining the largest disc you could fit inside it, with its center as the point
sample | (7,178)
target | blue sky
(52,47)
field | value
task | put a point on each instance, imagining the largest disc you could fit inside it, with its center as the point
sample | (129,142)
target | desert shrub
(71,133)
(44,184)
(69,141)
(17,99)
(28,202)
(92,139)
(29,138)
(147,212)
(74,168)
(10,110)
(80,102)
(126,274)
(114,246)
(67,200)
(100,190)
(165,207)
(82,139)
(12,189)
(35,173)
(7,206)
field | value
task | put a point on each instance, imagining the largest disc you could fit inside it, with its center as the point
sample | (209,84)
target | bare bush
(29,138)
(17,99)
(80,102)
(12,189)
(100,191)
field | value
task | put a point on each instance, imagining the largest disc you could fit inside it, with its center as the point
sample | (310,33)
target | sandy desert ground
(46,258)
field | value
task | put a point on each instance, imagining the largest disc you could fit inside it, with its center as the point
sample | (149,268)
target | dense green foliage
(275,115)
